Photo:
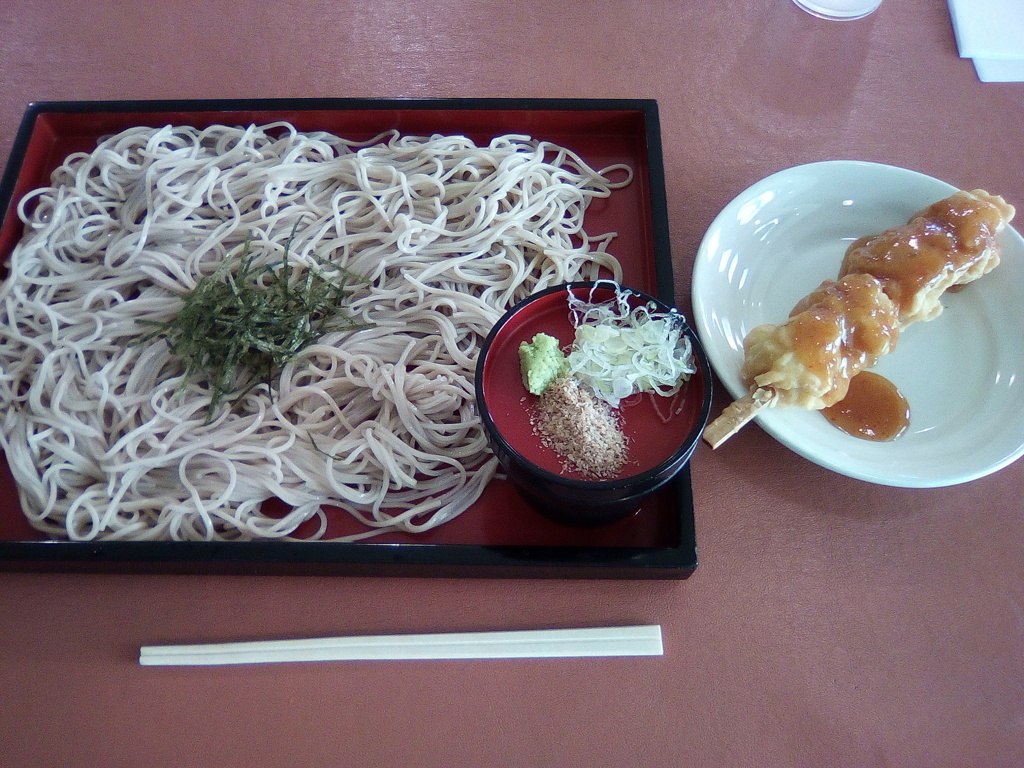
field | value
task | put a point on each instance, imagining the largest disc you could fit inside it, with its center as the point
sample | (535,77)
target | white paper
(989,29)
(1000,70)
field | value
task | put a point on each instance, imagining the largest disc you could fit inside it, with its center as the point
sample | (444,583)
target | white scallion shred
(621,350)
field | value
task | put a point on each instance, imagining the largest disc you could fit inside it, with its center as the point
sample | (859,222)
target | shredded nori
(243,323)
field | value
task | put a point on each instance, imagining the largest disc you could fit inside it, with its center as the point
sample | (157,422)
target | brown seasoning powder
(581,429)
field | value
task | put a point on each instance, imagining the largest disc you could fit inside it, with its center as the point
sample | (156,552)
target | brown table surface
(831,622)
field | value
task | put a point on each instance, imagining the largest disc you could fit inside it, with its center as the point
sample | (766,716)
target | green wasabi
(541,361)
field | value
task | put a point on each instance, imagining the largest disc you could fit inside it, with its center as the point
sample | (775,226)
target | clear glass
(839,9)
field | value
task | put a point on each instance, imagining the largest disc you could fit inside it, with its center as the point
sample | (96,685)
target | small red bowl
(662,432)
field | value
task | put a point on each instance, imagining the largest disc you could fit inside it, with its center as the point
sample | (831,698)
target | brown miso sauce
(873,409)
(842,327)
(944,238)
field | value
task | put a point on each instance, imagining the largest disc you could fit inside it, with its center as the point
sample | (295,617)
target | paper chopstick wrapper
(543,643)
(991,33)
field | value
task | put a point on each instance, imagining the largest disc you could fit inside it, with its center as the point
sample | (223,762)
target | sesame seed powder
(581,429)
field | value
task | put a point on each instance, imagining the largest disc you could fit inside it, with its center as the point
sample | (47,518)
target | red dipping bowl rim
(686,446)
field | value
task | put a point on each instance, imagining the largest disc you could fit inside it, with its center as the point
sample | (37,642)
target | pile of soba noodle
(105,438)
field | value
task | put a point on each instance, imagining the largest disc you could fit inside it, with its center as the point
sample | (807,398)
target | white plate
(963,372)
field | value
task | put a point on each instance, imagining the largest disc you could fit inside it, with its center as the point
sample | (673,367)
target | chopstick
(521,644)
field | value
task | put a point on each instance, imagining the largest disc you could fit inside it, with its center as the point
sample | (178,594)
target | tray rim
(367,557)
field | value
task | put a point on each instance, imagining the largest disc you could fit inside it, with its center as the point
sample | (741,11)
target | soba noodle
(105,437)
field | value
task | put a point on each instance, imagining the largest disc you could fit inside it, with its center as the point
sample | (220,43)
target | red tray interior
(600,137)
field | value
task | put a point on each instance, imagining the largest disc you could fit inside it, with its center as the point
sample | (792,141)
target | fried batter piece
(948,244)
(832,335)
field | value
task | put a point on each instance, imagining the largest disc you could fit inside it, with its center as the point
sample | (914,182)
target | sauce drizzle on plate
(873,409)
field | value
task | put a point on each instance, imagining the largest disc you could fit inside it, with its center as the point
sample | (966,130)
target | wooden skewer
(737,414)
